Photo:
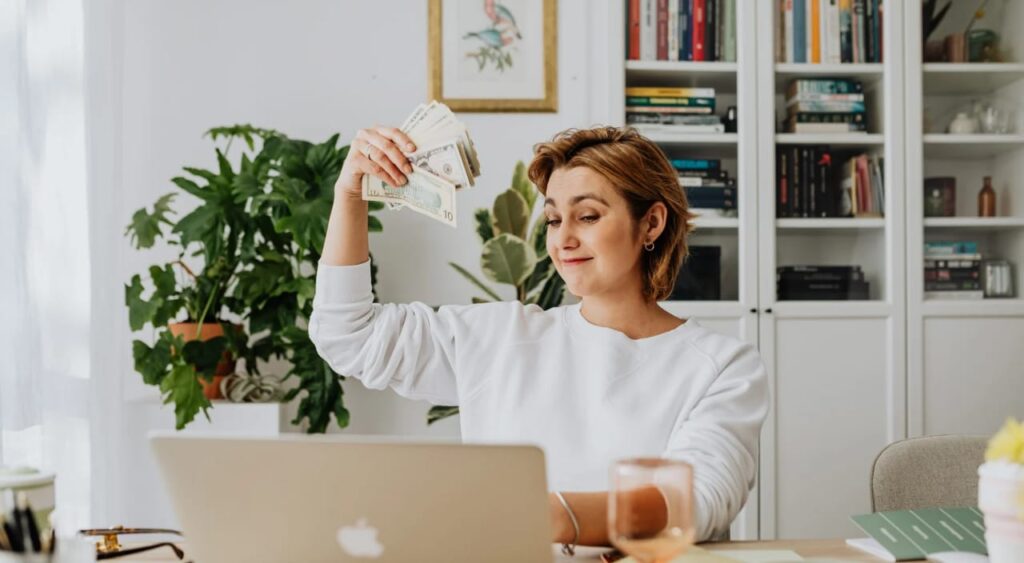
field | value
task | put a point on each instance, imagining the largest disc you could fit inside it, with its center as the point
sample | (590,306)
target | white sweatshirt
(587,395)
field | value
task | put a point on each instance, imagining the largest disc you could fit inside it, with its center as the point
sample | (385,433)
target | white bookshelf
(963,356)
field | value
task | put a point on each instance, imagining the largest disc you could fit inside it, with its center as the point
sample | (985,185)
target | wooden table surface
(808,549)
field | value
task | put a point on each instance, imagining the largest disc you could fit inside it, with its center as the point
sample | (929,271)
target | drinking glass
(650,508)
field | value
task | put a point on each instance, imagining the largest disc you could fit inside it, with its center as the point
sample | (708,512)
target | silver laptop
(324,498)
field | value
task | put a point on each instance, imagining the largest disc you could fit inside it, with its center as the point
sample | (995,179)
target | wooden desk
(808,549)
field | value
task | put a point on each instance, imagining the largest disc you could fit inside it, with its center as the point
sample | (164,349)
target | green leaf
(140,311)
(182,388)
(478,300)
(192,188)
(224,166)
(484,224)
(374,225)
(375,206)
(521,183)
(153,363)
(204,355)
(507,259)
(511,215)
(552,293)
(145,227)
(539,237)
(541,271)
(472,279)
(440,413)
(202,222)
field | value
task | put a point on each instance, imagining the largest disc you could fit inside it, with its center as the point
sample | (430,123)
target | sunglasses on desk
(109,547)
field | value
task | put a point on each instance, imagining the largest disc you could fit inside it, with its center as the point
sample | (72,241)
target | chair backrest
(928,472)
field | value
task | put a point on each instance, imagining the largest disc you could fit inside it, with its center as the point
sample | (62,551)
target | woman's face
(592,238)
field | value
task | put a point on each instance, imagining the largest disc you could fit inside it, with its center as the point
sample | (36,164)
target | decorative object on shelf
(956,47)
(963,124)
(997,278)
(993,117)
(514,253)
(1001,494)
(940,197)
(258,229)
(483,57)
(987,199)
(250,388)
(983,46)
(934,51)
(730,120)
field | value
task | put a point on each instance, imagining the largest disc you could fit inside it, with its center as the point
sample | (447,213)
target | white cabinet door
(837,401)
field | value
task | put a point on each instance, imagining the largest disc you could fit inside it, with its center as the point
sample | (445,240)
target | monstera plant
(245,266)
(514,253)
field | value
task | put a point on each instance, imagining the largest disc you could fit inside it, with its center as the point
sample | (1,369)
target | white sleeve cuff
(342,284)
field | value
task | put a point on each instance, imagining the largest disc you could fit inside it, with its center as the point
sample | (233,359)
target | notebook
(903,535)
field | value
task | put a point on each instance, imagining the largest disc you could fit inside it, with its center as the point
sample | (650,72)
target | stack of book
(952,270)
(806,185)
(710,192)
(681,30)
(825,105)
(818,283)
(654,110)
(829,31)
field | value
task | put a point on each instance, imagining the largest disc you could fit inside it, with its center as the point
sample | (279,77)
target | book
(686,23)
(788,33)
(950,247)
(671,109)
(823,86)
(914,534)
(633,33)
(708,182)
(711,30)
(671,129)
(845,31)
(661,23)
(699,29)
(814,30)
(799,28)
(669,101)
(831,16)
(673,118)
(956,295)
(673,30)
(729,24)
(670,92)
(704,164)
(795,127)
(797,106)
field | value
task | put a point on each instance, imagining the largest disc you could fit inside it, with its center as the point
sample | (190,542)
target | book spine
(806,163)
(634,30)
(687,101)
(788,30)
(656,92)
(812,184)
(780,183)
(823,204)
(686,22)
(699,17)
(824,86)
(825,107)
(648,30)
(858,31)
(832,32)
(799,31)
(699,110)
(819,117)
(673,30)
(662,30)
(704,164)
(729,43)
(798,180)
(814,27)
(869,41)
(845,32)
(711,30)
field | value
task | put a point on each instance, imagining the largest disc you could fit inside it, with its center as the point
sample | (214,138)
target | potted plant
(514,253)
(242,283)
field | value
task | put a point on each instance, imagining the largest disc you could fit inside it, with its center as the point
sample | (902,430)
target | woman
(614,376)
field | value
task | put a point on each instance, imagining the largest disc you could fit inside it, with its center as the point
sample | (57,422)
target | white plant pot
(1001,500)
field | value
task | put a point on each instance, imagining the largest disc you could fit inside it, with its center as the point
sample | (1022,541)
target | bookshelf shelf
(830,223)
(950,79)
(971,146)
(716,223)
(843,139)
(974,223)
(717,75)
(870,74)
(871,308)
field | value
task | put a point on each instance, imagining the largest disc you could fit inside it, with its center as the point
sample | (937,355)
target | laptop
(339,499)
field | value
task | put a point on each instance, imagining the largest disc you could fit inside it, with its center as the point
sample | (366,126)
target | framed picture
(494,55)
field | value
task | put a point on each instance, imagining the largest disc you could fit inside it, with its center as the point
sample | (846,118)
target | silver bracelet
(570,548)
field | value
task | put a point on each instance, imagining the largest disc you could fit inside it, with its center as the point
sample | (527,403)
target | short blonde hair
(642,174)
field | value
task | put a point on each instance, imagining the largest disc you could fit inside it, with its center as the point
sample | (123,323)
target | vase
(1001,501)
(226,365)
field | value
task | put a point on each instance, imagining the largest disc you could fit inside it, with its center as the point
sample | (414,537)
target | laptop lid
(328,498)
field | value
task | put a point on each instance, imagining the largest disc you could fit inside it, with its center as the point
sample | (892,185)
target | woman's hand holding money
(380,152)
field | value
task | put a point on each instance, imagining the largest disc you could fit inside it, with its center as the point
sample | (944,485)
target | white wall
(308,68)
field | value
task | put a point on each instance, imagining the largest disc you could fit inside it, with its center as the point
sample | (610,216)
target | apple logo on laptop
(360,540)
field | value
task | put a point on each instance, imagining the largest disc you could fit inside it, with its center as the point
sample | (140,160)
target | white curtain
(45,281)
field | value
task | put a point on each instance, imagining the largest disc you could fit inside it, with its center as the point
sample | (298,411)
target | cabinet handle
(753,310)
(768,310)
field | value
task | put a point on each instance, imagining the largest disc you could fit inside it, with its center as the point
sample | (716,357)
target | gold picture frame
(549,57)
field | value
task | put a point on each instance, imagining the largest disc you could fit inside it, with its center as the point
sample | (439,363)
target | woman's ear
(654,222)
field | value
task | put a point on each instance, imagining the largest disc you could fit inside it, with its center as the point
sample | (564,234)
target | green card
(913,534)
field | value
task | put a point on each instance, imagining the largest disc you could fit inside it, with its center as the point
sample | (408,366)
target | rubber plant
(514,253)
(246,259)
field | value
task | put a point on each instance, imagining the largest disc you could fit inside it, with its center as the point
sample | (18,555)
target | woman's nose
(565,237)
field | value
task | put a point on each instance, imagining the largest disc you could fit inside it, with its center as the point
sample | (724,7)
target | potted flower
(1001,494)
(242,281)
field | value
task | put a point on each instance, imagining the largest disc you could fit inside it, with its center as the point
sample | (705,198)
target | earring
(649,246)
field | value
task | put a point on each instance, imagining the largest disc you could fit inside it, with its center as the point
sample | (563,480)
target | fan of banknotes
(444,161)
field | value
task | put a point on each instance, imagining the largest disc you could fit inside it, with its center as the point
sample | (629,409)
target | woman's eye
(554,222)
(589,218)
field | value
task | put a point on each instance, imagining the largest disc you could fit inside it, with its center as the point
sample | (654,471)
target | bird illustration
(501,16)
(490,37)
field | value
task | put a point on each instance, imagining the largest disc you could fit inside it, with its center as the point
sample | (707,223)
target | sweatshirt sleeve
(409,348)
(720,436)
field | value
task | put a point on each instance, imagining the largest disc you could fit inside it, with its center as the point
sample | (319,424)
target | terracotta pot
(226,365)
